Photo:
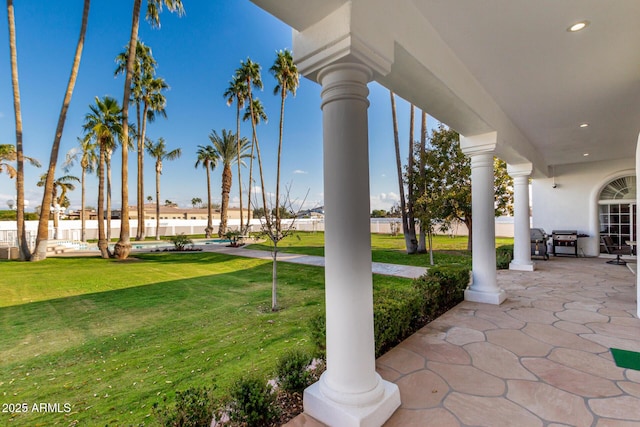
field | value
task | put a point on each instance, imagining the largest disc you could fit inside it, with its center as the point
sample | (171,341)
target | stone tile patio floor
(540,359)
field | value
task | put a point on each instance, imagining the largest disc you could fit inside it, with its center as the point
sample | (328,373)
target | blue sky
(197,55)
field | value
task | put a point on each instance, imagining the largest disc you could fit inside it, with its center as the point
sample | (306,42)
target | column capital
(338,37)
(521,169)
(479,144)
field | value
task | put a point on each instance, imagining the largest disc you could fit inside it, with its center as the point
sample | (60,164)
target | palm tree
(208,158)
(260,116)
(226,150)
(22,236)
(7,154)
(64,184)
(237,92)
(147,95)
(40,251)
(154,7)
(159,152)
(286,74)
(88,160)
(103,123)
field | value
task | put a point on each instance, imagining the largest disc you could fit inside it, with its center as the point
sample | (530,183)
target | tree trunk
(408,239)
(469,223)
(40,251)
(103,245)
(411,221)
(422,240)
(242,231)
(158,171)
(83,219)
(209,230)
(141,232)
(108,162)
(283,93)
(22,236)
(226,189)
(274,278)
(123,247)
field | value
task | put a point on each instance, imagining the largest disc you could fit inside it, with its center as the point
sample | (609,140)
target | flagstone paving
(540,359)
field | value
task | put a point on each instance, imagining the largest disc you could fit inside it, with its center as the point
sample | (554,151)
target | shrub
(293,371)
(395,314)
(194,407)
(504,256)
(180,241)
(253,402)
(453,279)
(318,324)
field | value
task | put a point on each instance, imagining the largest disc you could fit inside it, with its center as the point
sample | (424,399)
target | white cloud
(300,172)
(384,200)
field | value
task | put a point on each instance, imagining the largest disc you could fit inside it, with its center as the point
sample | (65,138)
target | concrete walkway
(377,267)
(541,358)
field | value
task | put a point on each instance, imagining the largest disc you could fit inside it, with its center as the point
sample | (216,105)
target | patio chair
(613,249)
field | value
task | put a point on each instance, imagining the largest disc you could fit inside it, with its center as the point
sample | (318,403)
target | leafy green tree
(88,160)
(158,151)
(446,190)
(196,202)
(208,158)
(378,213)
(226,150)
(103,124)
(154,7)
(40,251)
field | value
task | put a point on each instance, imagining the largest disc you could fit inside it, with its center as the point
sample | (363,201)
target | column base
(334,414)
(495,298)
(521,267)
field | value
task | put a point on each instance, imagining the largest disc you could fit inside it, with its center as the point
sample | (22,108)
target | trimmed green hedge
(397,313)
(504,256)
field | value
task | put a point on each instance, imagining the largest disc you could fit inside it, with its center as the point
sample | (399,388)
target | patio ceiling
(508,66)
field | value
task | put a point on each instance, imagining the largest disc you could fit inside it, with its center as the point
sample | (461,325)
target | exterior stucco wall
(573,204)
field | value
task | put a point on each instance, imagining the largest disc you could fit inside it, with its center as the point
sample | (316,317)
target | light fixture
(584,125)
(585,154)
(578,26)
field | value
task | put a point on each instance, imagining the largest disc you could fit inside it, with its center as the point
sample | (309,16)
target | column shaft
(522,228)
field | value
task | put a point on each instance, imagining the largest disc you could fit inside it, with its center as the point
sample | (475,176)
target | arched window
(617,209)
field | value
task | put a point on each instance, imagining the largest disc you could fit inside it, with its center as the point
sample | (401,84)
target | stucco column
(522,228)
(637,226)
(484,286)
(350,392)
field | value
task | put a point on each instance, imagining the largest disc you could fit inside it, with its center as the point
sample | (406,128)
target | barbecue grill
(539,243)
(565,239)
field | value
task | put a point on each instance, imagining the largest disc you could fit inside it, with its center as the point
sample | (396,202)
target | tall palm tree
(249,72)
(226,150)
(88,160)
(103,123)
(64,184)
(208,158)
(8,154)
(22,236)
(146,93)
(159,152)
(286,74)
(40,251)
(260,116)
(154,7)
(237,92)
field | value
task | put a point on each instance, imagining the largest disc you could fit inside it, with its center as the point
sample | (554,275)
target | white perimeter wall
(573,204)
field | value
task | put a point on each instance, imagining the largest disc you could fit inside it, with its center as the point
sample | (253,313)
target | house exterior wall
(573,204)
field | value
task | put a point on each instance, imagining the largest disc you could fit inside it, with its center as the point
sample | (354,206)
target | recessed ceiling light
(584,125)
(585,154)
(578,26)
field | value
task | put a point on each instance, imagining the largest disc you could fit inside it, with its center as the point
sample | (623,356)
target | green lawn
(110,338)
(385,248)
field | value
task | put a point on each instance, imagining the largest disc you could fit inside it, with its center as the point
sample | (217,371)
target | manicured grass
(110,338)
(386,248)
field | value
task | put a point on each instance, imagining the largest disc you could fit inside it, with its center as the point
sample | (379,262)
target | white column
(484,286)
(522,228)
(350,392)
